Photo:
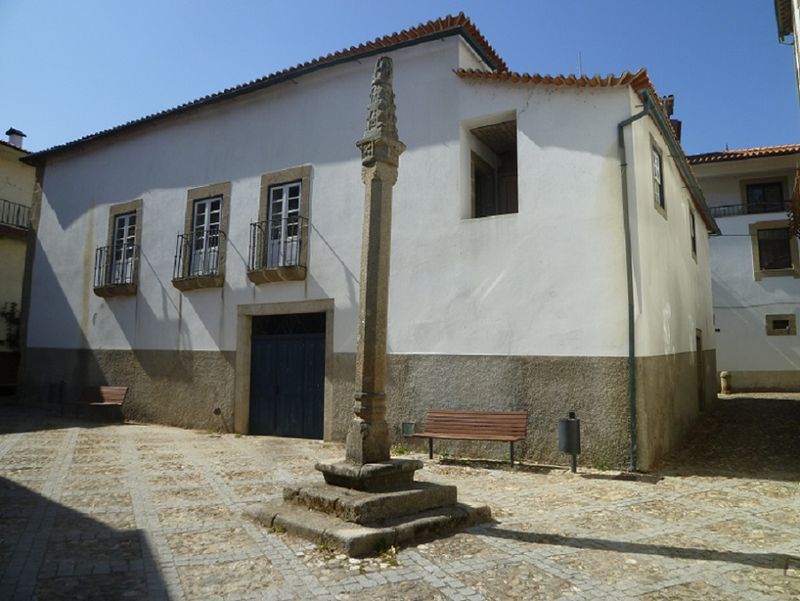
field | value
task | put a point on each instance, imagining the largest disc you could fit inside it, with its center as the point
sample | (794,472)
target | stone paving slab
(92,511)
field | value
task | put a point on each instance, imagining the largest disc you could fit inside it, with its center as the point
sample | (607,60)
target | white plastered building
(549,253)
(755,265)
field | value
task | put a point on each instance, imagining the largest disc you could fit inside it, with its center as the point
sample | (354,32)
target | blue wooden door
(286,384)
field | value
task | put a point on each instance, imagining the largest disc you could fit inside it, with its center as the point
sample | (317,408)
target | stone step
(357,540)
(371,508)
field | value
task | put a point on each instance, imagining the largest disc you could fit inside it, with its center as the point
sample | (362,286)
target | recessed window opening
(774,251)
(781,325)
(764,197)
(658,177)
(693,232)
(494,169)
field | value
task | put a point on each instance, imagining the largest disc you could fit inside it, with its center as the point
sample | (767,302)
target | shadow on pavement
(15,419)
(49,551)
(743,438)
(761,560)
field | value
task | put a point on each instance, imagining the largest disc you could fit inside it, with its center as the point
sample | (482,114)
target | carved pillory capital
(380,142)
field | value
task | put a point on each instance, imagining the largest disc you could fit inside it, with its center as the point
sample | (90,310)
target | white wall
(672,289)
(16,178)
(741,303)
(549,280)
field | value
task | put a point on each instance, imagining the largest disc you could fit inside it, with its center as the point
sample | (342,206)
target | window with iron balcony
(279,239)
(116,265)
(200,251)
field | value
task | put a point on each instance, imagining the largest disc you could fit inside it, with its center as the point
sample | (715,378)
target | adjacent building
(549,253)
(755,265)
(787,15)
(16,189)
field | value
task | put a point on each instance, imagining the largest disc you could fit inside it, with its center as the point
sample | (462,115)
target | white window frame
(283,224)
(123,248)
(206,228)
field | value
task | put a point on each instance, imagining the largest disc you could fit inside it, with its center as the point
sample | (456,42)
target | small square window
(781,325)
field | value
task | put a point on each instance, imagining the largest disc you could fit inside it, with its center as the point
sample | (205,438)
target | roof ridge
(416,34)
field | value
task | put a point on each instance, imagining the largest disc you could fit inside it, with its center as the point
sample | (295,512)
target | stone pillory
(369,500)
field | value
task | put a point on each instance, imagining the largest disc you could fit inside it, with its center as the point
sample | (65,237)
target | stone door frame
(244,332)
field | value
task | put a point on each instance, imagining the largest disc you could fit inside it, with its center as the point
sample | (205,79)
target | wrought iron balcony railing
(198,254)
(277,243)
(116,266)
(14,214)
(751,209)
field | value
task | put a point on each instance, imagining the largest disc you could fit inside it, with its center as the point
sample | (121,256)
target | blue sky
(72,68)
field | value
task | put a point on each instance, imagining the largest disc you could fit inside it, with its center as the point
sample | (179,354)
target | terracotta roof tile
(743,153)
(449,25)
(636,80)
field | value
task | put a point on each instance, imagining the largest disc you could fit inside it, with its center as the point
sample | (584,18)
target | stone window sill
(277,274)
(112,290)
(197,282)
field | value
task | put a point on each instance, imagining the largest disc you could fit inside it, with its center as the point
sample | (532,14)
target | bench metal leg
(430,448)
(512,453)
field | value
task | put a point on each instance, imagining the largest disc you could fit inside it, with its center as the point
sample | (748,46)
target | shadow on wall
(49,374)
(42,539)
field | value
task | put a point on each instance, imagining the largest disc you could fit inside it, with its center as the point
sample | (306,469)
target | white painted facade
(547,281)
(555,269)
(742,302)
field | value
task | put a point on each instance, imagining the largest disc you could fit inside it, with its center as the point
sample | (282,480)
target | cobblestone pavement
(150,512)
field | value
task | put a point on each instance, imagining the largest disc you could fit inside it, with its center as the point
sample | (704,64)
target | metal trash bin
(408,429)
(569,438)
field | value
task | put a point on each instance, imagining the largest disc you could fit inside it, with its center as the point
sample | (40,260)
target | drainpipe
(629,276)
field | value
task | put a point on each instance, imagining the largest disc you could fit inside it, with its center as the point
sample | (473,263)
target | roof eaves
(783,18)
(447,26)
(722,156)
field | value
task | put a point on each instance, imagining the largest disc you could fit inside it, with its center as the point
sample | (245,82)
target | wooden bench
(503,426)
(99,402)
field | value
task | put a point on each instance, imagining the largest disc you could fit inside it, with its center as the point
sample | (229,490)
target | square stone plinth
(371,508)
(394,474)
(357,540)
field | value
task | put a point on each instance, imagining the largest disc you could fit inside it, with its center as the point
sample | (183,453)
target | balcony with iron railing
(737,209)
(199,259)
(116,270)
(14,215)
(278,250)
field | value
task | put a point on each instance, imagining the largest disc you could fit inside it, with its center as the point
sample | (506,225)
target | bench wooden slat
(468,436)
(105,395)
(451,424)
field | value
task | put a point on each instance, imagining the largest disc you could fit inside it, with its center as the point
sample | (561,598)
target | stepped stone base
(357,540)
(372,509)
